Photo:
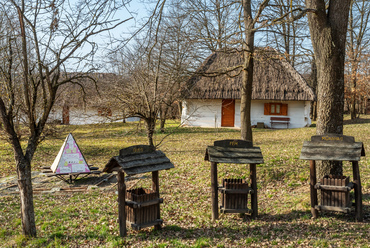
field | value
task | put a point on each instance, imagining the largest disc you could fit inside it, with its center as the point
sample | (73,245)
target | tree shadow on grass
(279,229)
(362,120)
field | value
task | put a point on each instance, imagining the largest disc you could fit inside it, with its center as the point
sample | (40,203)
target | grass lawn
(89,219)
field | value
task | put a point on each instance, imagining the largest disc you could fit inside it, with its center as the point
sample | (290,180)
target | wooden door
(228,113)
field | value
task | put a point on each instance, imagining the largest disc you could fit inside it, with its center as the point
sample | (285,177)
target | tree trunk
(179,104)
(150,127)
(246,93)
(353,92)
(328,27)
(163,122)
(26,196)
(164,112)
(23,166)
(365,105)
(314,86)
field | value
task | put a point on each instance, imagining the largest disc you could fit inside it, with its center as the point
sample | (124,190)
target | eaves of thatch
(273,78)
(93,91)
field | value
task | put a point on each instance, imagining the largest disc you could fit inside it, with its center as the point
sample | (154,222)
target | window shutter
(284,109)
(267,109)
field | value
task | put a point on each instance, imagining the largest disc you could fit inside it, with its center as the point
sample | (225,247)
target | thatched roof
(274,78)
(92,91)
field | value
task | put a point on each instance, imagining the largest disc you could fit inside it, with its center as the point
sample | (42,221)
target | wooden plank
(331,154)
(236,191)
(238,153)
(214,186)
(253,182)
(136,150)
(234,155)
(332,187)
(330,157)
(140,156)
(313,144)
(112,165)
(313,191)
(235,211)
(336,193)
(155,188)
(237,160)
(358,191)
(135,204)
(333,150)
(104,180)
(236,149)
(324,192)
(121,203)
(233,143)
(333,208)
(151,168)
(142,162)
(339,151)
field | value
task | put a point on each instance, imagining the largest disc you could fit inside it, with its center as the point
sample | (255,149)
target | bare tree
(221,33)
(328,22)
(291,38)
(179,60)
(154,66)
(40,44)
(213,24)
(357,46)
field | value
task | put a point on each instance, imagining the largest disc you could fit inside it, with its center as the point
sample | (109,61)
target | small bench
(280,120)
(71,177)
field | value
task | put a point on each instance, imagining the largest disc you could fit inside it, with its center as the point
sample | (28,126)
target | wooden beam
(358,191)
(155,187)
(253,180)
(313,191)
(235,211)
(121,203)
(134,204)
(214,187)
(236,191)
(334,188)
(256,160)
(331,208)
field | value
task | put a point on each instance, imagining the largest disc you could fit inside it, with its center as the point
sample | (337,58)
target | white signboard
(69,158)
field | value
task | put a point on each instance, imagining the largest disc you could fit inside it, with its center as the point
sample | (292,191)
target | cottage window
(105,112)
(276,109)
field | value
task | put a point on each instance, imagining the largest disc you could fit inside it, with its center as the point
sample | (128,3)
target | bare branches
(43,43)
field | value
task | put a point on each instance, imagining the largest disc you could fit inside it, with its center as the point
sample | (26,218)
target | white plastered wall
(207,113)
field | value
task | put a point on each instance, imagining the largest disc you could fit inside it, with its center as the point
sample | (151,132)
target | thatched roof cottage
(86,101)
(212,96)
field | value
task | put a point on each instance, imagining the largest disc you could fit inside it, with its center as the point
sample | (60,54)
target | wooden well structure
(234,192)
(138,207)
(334,189)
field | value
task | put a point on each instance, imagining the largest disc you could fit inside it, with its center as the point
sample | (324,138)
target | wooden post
(121,203)
(253,179)
(313,191)
(358,191)
(214,189)
(155,187)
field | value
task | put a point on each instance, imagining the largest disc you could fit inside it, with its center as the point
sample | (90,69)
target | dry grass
(89,219)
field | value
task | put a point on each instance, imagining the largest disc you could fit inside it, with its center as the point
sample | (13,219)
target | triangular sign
(69,158)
